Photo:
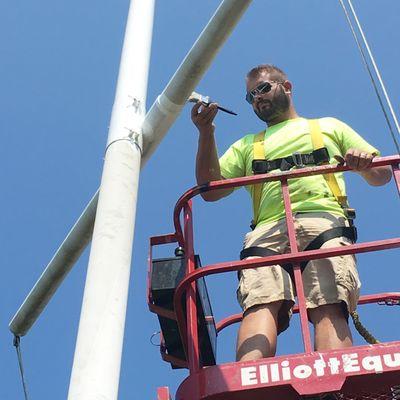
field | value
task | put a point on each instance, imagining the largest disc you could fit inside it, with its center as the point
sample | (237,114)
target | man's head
(269,93)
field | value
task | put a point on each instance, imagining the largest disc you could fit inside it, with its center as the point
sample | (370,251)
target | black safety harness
(319,156)
(316,157)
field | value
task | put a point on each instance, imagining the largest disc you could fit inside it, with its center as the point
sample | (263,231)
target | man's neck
(290,114)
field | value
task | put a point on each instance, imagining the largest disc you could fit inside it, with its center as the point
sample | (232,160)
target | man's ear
(287,87)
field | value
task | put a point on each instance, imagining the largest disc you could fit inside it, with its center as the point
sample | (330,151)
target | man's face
(268,105)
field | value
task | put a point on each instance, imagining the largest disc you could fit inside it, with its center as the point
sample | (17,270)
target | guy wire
(364,58)
(17,344)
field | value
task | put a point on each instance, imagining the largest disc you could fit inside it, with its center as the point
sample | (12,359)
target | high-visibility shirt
(308,194)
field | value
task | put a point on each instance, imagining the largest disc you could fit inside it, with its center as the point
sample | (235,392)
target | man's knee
(330,311)
(261,318)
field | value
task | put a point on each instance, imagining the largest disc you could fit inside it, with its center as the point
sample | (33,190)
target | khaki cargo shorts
(328,281)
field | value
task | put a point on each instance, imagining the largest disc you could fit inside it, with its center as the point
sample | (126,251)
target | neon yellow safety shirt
(308,194)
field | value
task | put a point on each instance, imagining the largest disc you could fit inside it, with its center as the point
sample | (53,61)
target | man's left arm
(360,161)
(358,155)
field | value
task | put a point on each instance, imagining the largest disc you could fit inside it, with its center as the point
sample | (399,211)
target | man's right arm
(207,163)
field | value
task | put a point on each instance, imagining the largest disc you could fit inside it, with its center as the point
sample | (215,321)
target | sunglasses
(262,88)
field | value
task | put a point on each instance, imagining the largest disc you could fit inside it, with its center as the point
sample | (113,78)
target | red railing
(380,298)
(184,237)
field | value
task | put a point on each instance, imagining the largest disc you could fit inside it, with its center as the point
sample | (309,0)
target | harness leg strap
(341,231)
(257,251)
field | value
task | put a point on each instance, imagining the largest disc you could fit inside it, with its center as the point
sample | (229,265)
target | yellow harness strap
(318,142)
(258,154)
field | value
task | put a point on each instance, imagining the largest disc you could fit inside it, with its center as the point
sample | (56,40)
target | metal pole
(156,124)
(62,262)
(97,360)
(169,104)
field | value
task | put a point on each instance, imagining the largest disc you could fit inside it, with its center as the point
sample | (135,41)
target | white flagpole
(97,360)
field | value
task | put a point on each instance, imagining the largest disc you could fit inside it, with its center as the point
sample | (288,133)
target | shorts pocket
(347,274)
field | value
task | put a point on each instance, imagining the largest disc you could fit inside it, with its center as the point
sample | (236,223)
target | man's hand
(203,117)
(360,162)
(356,159)
(207,163)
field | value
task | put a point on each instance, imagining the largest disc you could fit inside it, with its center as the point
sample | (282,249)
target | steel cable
(370,72)
(17,345)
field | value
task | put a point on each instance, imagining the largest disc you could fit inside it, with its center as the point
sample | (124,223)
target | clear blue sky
(58,70)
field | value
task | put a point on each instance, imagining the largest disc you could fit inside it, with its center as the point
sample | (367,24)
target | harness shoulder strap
(258,154)
(318,142)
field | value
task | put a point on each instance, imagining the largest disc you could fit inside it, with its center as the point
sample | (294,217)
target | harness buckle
(259,167)
(298,160)
(350,213)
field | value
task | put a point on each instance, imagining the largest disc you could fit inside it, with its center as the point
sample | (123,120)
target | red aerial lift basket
(356,373)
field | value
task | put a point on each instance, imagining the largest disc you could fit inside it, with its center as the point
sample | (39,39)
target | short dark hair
(275,72)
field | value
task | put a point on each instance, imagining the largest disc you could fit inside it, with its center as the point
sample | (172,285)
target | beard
(272,109)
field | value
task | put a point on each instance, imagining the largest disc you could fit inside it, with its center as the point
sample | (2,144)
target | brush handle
(226,110)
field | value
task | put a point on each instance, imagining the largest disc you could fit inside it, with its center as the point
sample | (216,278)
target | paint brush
(205,100)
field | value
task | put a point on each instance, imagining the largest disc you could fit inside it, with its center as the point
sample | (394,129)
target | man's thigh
(332,280)
(265,285)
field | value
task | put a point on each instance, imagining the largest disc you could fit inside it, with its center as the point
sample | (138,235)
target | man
(266,294)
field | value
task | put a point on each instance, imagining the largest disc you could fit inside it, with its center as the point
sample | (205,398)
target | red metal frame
(305,329)
(163,393)
(299,374)
(381,299)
